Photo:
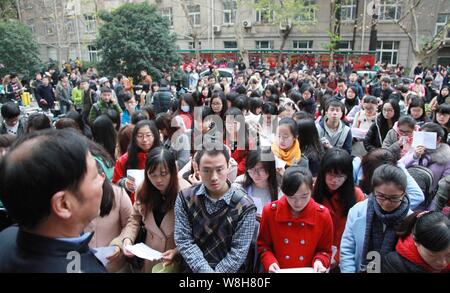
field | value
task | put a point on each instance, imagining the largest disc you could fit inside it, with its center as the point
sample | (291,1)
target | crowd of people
(273,168)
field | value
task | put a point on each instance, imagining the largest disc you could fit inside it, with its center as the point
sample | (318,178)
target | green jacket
(77,97)
(100,108)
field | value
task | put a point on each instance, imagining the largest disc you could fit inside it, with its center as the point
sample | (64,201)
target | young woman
(178,144)
(124,137)
(104,134)
(371,223)
(424,245)
(115,209)
(310,145)
(236,137)
(366,116)
(295,231)
(186,111)
(219,104)
(443,97)
(260,179)
(335,189)
(145,137)
(350,99)
(399,139)
(154,207)
(390,114)
(417,111)
(442,117)
(287,147)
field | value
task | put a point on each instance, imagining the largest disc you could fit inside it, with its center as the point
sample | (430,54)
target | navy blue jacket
(24,252)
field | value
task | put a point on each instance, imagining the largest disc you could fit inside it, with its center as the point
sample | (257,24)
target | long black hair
(337,161)
(382,122)
(309,137)
(104,133)
(148,194)
(431,229)
(268,161)
(221,96)
(134,149)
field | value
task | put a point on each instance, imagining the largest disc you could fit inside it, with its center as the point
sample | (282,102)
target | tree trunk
(283,42)
(355,26)
(373,31)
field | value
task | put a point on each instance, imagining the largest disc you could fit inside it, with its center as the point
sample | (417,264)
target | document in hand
(143,251)
(102,253)
(426,139)
(138,175)
(296,270)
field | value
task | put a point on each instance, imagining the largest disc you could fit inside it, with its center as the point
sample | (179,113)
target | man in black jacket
(50,185)
(46,95)
(162,98)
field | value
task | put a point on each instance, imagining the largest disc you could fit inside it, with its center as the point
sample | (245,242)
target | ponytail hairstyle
(429,229)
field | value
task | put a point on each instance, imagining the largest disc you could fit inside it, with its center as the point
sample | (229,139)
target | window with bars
(264,15)
(194,14)
(389,10)
(229,11)
(50,27)
(387,52)
(167,13)
(348,10)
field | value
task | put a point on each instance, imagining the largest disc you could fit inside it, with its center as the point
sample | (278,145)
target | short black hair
(293,178)
(10,110)
(38,121)
(38,166)
(389,174)
(212,153)
(408,120)
(433,127)
(105,89)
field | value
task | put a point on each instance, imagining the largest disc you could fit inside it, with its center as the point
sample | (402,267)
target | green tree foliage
(135,37)
(8,10)
(18,50)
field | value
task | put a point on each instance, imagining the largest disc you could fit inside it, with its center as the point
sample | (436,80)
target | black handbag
(137,263)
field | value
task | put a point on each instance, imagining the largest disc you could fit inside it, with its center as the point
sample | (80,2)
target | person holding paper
(336,190)
(260,179)
(295,231)
(442,117)
(437,160)
(154,207)
(144,138)
(399,139)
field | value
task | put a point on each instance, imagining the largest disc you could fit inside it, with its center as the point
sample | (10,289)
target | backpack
(424,178)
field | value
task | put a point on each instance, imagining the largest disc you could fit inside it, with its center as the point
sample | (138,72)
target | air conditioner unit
(216,29)
(284,26)
(247,24)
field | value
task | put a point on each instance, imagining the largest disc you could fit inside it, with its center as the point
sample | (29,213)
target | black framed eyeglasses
(393,199)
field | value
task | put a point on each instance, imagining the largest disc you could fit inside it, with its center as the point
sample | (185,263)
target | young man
(63,93)
(12,123)
(53,207)
(46,95)
(214,222)
(130,107)
(332,131)
(105,103)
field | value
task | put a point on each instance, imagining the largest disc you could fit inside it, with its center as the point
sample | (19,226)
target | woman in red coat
(295,231)
(145,137)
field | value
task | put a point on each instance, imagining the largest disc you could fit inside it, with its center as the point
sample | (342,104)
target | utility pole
(58,39)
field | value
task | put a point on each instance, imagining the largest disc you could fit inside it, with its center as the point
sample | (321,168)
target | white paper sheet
(426,139)
(143,251)
(296,271)
(358,133)
(102,252)
(138,175)
(279,163)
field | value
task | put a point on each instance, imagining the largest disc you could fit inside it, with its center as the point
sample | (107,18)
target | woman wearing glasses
(370,227)
(384,122)
(145,137)
(335,189)
(399,139)
(260,179)
(154,207)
